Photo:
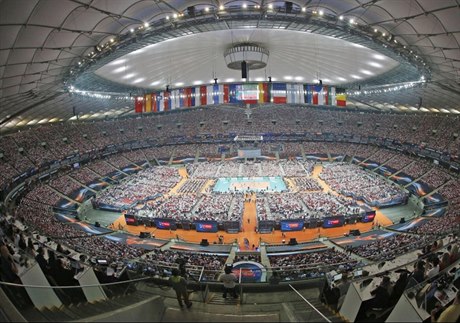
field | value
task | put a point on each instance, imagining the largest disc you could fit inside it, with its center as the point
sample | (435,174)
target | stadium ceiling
(48,45)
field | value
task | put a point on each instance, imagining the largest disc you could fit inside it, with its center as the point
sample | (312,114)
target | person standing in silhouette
(179,284)
(229,280)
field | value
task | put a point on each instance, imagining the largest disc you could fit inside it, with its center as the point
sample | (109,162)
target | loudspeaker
(244,70)
(204,242)
(355,232)
(288,6)
(292,242)
(145,234)
(97,224)
(191,11)
(403,220)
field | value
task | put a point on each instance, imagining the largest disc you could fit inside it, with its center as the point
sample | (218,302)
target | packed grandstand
(132,169)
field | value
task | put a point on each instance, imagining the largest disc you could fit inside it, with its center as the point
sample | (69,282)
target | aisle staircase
(83,311)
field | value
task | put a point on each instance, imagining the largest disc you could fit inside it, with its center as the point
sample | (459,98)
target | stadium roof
(46,46)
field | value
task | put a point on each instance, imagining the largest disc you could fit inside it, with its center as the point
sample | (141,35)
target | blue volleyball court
(246,184)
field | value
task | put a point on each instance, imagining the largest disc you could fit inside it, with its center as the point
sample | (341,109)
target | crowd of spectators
(390,248)
(350,180)
(451,191)
(40,217)
(178,207)
(381,156)
(435,225)
(208,151)
(136,156)
(417,169)
(326,204)
(193,186)
(311,259)
(291,150)
(363,151)
(104,248)
(229,169)
(250,170)
(435,178)
(307,184)
(236,210)
(63,139)
(173,258)
(43,194)
(293,168)
(144,184)
(64,185)
(270,168)
(84,175)
(101,167)
(118,161)
(284,206)
(24,150)
(203,170)
(185,151)
(216,207)
(247,257)
(399,161)
(261,208)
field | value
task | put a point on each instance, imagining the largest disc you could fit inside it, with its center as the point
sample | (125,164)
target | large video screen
(165,224)
(247,92)
(206,226)
(131,219)
(368,217)
(333,221)
(291,225)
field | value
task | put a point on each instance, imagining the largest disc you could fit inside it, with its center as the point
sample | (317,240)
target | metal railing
(310,304)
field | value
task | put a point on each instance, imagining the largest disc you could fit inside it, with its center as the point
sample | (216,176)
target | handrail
(311,305)
(201,274)
(78,286)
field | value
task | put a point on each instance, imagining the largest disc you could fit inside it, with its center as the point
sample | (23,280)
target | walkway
(249,223)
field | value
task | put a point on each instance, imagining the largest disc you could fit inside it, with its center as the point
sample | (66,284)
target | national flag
(264,93)
(308,94)
(166,102)
(182,98)
(226,95)
(176,98)
(299,93)
(341,99)
(326,94)
(332,99)
(148,103)
(160,102)
(203,94)
(138,104)
(215,94)
(290,93)
(232,93)
(279,92)
(192,96)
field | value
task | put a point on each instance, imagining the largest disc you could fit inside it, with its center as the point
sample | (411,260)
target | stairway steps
(55,315)
(131,299)
(105,306)
(33,315)
(217,299)
(304,311)
(72,315)
(85,310)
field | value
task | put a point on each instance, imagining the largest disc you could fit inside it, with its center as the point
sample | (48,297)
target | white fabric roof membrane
(41,40)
